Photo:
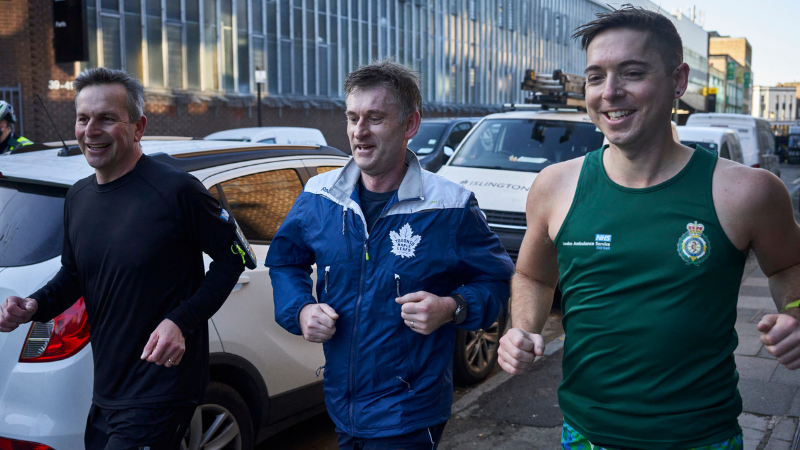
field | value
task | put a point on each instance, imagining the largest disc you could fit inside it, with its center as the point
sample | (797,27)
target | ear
(412,125)
(138,128)
(680,78)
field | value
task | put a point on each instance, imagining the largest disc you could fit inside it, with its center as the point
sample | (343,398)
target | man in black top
(135,233)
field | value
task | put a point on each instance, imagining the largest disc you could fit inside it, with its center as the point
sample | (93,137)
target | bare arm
(756,212)
(534,282)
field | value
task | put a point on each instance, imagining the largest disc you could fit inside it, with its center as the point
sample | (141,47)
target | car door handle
(244,279)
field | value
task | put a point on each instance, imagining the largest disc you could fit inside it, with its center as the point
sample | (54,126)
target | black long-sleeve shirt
(133,249)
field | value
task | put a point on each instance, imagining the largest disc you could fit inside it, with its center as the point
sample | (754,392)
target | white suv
(263,379)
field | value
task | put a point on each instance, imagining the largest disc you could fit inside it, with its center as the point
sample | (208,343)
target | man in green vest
(8,140)
(647,240)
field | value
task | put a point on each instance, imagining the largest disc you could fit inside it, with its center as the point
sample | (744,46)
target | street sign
(746,80)
(261,76)
(709,91)
(70,41)
(731,70)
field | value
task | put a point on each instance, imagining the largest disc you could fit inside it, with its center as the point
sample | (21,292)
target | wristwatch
(461,309)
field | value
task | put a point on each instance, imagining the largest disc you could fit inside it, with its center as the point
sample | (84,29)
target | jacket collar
(410,188)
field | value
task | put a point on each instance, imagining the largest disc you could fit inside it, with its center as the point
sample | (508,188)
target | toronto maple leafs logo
(404,242)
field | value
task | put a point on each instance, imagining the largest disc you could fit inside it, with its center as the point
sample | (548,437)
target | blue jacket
(381,378)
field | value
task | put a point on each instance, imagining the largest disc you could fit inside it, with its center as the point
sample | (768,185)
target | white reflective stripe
(433,444)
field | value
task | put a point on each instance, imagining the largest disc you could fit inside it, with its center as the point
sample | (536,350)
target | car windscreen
(705,145)
(527,145)
(426,138)
(31,223)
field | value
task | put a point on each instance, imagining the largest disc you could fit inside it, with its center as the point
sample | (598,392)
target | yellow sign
(709,91)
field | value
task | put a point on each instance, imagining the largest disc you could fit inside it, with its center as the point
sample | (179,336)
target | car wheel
(476,352)
(221,422)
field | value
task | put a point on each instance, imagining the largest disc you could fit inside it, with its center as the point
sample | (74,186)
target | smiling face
(629,92)
(377,137)
(107,138)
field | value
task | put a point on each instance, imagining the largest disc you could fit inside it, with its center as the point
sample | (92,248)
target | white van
(503,154)
(724,141)
(271,135)
(755,137)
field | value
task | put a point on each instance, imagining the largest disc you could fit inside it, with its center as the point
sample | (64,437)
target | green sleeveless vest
(650,284)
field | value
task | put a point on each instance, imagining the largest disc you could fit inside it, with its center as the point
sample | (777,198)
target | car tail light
(13,444)
(757,166)
(57,339)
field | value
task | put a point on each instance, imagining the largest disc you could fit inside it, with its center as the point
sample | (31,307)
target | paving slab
(753,368)
(756,302)
(794,409)
(755,291)
(785,376)
(784,429)
(777,444)
(752,422)
(747,314)
(756,281)
(529,399)
(749,347)
(773,399)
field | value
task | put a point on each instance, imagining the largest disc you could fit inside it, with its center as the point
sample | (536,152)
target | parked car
(721,140)
(263,379)
(437,139)
(271,135)
(755,137)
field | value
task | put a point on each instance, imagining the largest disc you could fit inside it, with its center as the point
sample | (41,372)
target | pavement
(521,412)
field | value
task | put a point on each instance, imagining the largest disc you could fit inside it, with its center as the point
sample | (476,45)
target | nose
(92,127)
(361,129)
(613,89)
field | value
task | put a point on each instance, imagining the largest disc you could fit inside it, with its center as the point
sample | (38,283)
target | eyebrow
(627,62)
(369,112)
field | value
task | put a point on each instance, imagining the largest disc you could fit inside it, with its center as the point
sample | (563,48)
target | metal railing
(13,95)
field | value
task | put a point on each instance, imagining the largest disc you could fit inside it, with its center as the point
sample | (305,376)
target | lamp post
(260,77)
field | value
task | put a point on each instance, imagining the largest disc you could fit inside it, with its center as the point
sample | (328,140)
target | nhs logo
(602,241)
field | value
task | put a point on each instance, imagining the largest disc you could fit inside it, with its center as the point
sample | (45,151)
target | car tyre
(221,422)
(476,352)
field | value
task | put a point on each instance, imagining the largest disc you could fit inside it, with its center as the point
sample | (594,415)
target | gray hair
(400,81)
(100,75)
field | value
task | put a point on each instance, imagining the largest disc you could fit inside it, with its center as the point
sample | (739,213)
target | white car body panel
(500,190)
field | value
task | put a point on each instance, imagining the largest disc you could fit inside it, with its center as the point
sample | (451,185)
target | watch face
(460,315)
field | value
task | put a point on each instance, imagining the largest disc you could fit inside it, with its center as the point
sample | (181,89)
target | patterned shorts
(572,440)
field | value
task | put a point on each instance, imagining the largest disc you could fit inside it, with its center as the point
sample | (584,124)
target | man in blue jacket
(403,256)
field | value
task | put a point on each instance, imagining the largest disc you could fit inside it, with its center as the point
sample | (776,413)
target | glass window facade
(467,51)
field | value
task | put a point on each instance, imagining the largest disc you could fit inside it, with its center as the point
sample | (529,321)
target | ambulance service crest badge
(694,246)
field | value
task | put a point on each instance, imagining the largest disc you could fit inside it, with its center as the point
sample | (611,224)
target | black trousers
(137,428)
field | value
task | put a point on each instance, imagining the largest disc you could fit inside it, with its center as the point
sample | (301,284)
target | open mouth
(364,147)
(618,115)
(97,147)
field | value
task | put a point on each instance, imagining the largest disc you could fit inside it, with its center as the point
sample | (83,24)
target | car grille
(516,219)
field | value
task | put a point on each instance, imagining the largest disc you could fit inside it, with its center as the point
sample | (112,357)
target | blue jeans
(424,439)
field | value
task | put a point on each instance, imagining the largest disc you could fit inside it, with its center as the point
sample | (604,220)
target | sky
(771,26)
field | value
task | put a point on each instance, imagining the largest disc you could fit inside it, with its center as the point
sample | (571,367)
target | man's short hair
(400,81)
(100,75)
(662,33)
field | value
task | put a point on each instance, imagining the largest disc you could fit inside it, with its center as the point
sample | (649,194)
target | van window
(31,223)
(267,141)
(527,145)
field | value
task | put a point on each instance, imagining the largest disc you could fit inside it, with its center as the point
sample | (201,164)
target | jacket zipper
(354,339)
(327,271)
(397,280)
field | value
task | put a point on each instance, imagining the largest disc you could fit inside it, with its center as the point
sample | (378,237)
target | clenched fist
(16,311)
(518,349)
(781,338)
(318,322)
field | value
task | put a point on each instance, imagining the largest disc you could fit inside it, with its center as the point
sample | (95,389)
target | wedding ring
(412,324)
